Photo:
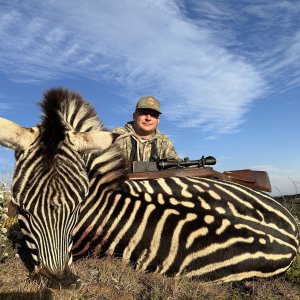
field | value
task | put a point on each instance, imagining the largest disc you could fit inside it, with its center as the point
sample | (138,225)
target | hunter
(142,140)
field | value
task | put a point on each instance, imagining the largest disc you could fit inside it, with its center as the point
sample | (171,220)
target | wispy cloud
(4,106)
(266,34)
(210,138)
(268,168)
(275,170)
(204,74)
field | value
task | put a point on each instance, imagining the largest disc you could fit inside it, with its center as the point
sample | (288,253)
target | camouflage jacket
(164,147)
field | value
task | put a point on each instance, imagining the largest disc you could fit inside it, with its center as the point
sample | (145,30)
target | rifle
(258,180)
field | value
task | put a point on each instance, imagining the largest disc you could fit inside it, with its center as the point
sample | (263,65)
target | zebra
(74,199)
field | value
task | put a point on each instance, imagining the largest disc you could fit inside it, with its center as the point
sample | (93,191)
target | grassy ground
(110,278)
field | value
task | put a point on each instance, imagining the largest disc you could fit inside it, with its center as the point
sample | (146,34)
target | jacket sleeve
(122,142)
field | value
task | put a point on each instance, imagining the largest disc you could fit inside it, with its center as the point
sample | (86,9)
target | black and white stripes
(191,226)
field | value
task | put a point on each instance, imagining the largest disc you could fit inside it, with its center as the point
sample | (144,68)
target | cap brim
(150,108)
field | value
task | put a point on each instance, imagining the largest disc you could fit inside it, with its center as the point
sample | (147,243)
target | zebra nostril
(62,280)
(72,286)
(78,284)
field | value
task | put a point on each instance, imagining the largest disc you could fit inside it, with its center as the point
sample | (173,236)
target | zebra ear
(14,136)
(94,140)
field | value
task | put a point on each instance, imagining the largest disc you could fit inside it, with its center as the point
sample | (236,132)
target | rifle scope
(203,161)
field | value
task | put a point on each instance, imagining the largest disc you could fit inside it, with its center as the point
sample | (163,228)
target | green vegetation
(293,274)
(7,224)
(292,203)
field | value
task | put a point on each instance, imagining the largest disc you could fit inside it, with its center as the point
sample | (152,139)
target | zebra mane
(64,110)
(67,110)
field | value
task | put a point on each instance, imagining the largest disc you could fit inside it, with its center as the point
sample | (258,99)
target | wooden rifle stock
(258,180)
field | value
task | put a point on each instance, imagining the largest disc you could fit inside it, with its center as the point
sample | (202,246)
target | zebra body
(73,201)
(191,226)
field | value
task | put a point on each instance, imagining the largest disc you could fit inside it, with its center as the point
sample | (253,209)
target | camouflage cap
(148,102)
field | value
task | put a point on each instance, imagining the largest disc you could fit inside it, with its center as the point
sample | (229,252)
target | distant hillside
(289,198)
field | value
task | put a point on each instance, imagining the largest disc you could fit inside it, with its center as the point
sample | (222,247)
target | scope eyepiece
(209,160)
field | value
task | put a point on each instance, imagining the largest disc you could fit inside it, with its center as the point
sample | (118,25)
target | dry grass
(110,278)
(106,278)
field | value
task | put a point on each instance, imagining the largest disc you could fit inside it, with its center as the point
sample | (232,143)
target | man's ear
(134,116)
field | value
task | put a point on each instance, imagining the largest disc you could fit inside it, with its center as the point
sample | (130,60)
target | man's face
(145,121)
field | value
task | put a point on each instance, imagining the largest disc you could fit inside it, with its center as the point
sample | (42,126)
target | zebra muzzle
(61,280)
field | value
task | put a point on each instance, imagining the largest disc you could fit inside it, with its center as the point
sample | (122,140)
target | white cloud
(147,47)
(265,33)
(210,138)
(4,107)
(267,168)
(275,170)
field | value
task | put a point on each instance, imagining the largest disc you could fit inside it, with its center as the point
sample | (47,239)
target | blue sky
(227,72)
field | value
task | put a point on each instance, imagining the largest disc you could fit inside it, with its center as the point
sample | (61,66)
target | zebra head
(50,180)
